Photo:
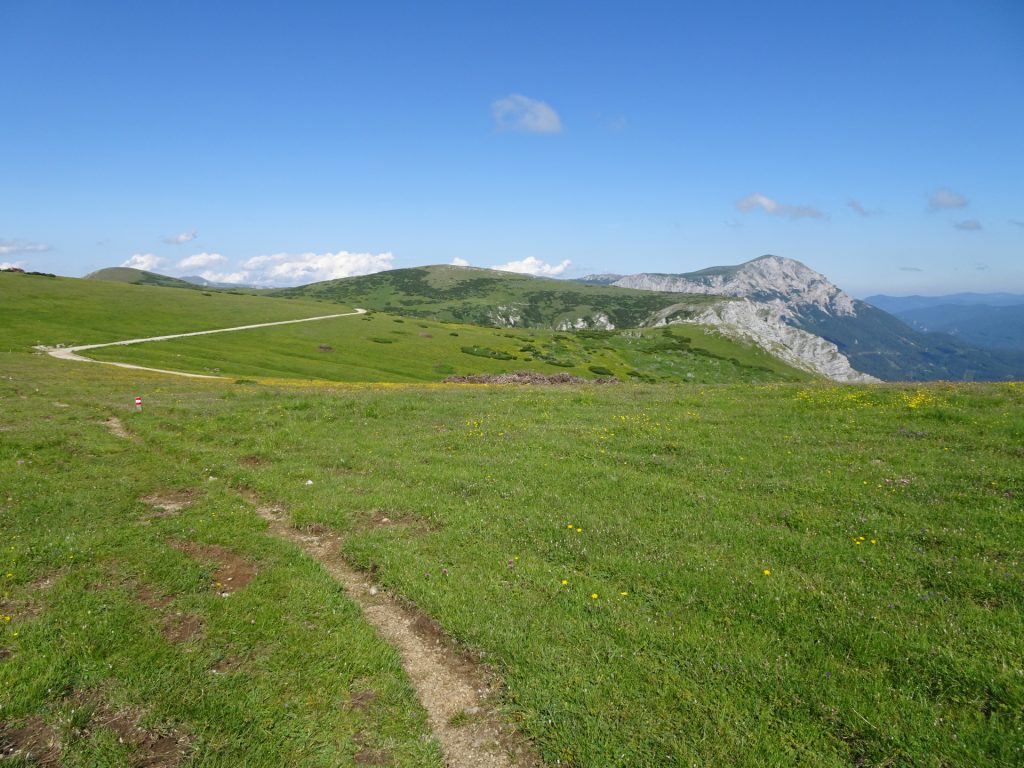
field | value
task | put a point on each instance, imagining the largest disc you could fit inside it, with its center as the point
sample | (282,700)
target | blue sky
(881,143)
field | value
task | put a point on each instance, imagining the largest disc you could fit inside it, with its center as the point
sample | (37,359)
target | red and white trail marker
(138,403)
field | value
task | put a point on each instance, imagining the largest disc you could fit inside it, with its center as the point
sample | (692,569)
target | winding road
(71,353)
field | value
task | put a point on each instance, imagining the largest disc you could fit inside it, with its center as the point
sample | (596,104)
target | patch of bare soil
(232,573)
(526,377)
(180,627)
(152,748)
(368,756)
(252,461)
(447,681)
(34,741)
(168,503)
(117,428)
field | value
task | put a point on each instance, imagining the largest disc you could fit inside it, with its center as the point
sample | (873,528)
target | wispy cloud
(457,262)
(144,261)
(944,198)
(11,247)
(282,269)
(969,225)
(856,206)
(200,260)
(766,204)
(534,266)
(12,264)
(184,237)
(525,115)
(911,269)
(1017,222)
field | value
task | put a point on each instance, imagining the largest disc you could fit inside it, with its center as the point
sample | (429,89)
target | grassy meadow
(678,573)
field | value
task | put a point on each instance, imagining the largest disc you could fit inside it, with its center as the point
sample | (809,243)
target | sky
(880,143)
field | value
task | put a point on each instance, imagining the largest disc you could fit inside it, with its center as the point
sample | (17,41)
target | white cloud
(457,262)
(969,225)
(766,204)
(144,261)
(282,269)
(225,277)
(184,237)
(520,113)
(11,247)
(945,198)
(12,264)
(534,266)
(199,260)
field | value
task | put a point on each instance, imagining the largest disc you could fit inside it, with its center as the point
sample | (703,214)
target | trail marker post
(138,403)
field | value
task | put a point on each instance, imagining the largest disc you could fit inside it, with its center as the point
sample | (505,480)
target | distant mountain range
(776,303)
(989,320)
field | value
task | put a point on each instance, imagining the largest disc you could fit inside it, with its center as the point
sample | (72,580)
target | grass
(661,574)
(382,347)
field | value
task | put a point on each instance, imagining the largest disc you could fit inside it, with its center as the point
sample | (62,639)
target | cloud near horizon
(12,264)
(766,204)
(968,225)
(200,260)
(184,237)
(11,247)
(520,113)
(457,262)
(144,261)
(944,199)
(286,269)
(534,266)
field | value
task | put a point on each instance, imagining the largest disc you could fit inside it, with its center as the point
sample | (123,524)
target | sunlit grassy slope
(69,311)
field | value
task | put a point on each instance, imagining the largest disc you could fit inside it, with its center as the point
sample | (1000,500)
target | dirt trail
(71,353)
(453,690)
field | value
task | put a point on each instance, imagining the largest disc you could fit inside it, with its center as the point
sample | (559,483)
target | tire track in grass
(454,691)
(71,353)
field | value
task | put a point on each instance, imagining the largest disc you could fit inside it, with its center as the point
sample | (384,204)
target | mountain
(988,320)
(875,342)
(138,277)
(897,305)
(996,328)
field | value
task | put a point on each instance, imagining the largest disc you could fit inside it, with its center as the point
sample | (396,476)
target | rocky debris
(526,377)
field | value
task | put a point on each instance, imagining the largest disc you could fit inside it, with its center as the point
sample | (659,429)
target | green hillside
(70,311)
(492,297)
(138,277)
(375,347)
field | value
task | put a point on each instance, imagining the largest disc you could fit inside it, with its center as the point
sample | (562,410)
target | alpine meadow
(745,565)
(512,385)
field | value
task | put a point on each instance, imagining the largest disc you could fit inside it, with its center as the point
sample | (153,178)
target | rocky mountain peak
(793,286)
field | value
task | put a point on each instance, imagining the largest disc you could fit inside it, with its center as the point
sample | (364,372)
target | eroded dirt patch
(447,682)
(152,748)
(34,741)
(168,503)
(117,428)
(232,573)
(180,627)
